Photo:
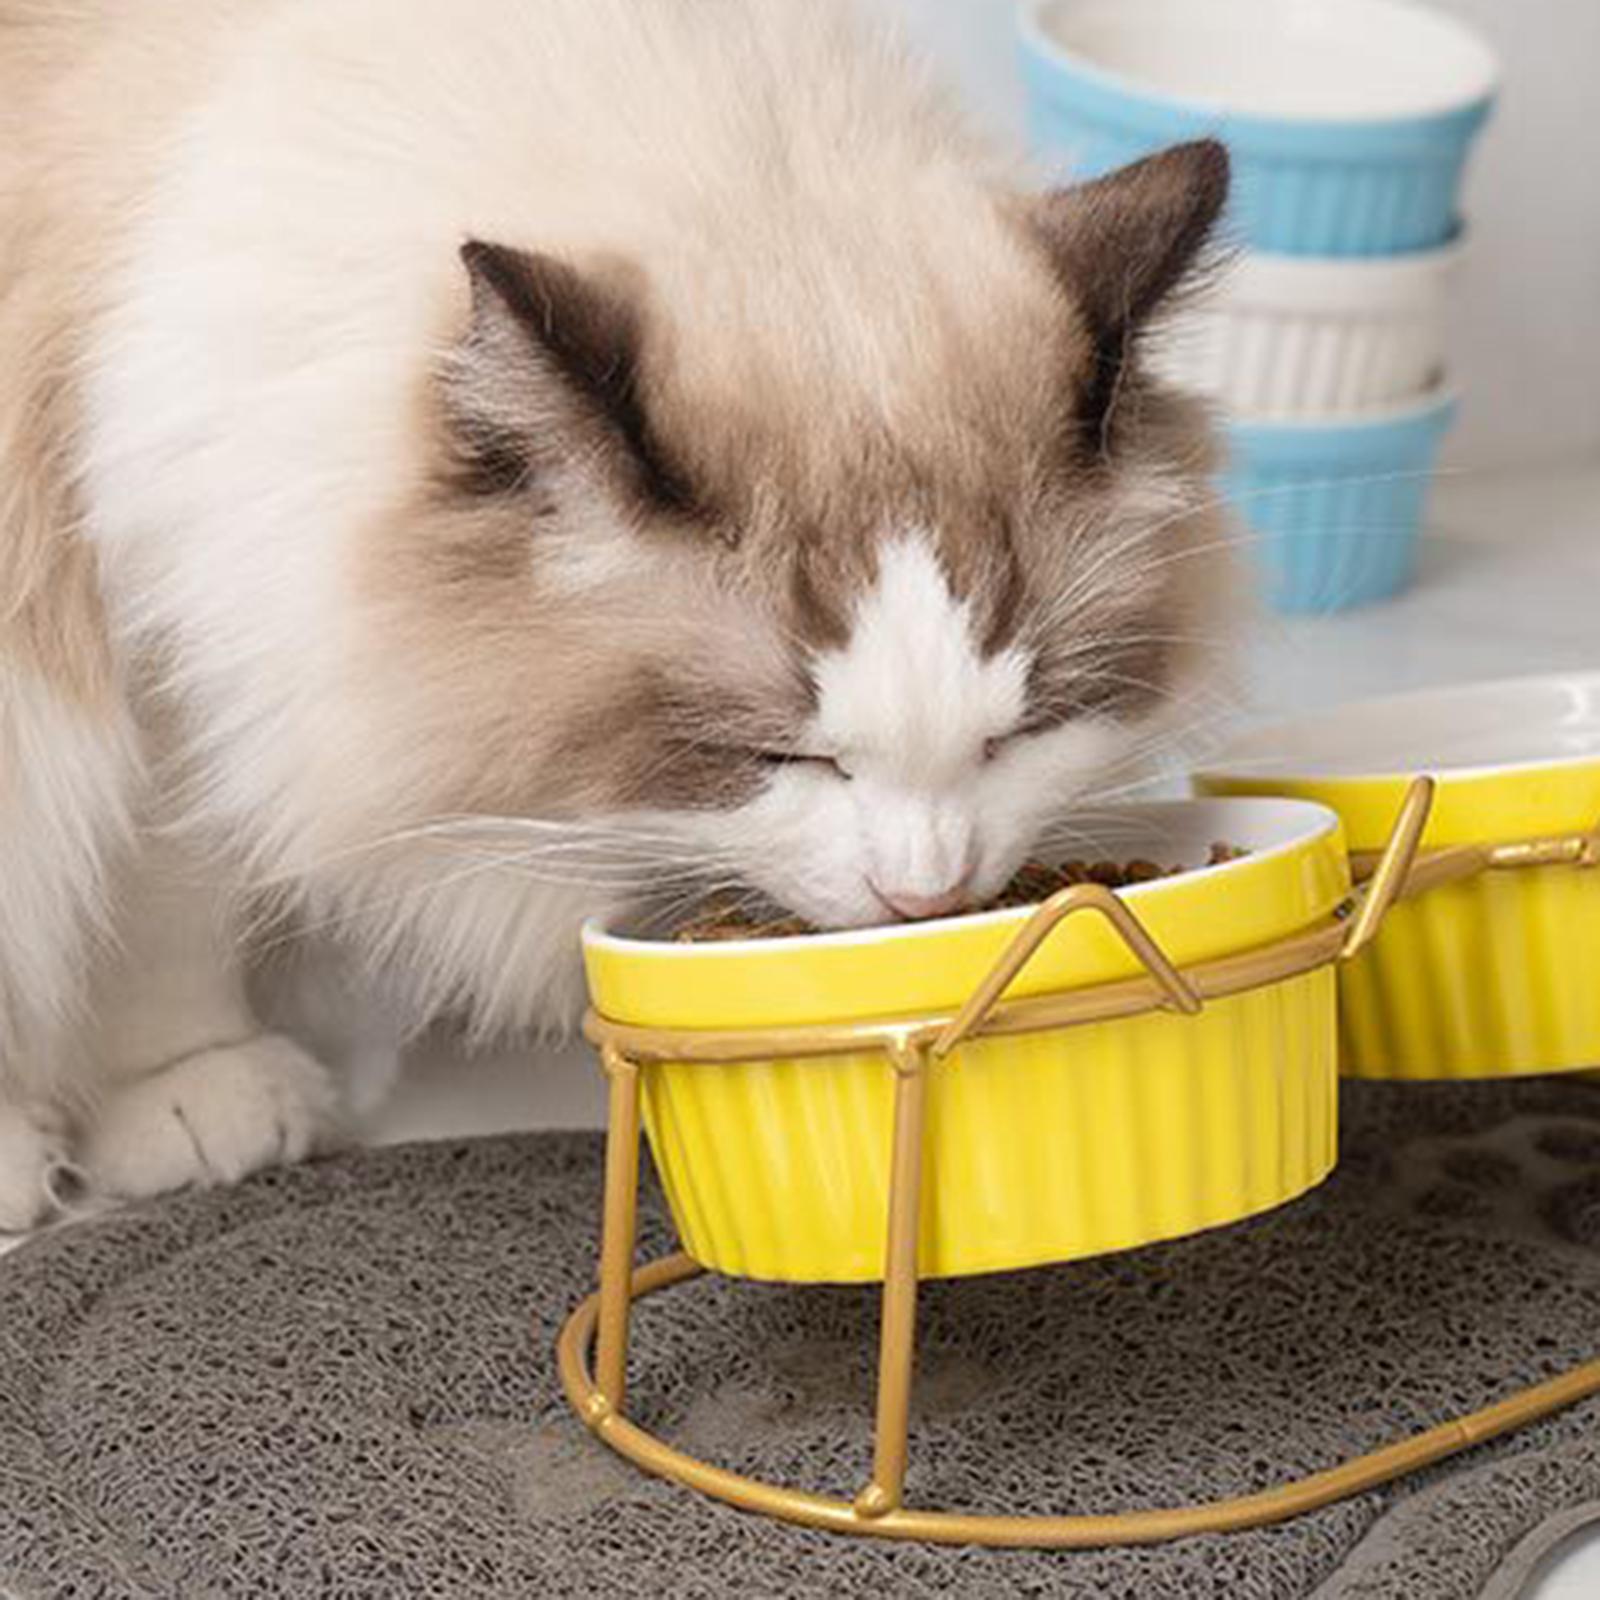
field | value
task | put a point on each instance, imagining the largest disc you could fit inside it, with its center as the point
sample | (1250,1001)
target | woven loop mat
(337,1381)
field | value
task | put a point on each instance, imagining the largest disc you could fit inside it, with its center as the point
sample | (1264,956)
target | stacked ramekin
(1349,123)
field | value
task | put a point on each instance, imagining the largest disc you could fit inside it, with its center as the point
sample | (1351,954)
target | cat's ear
(546,378)
(1125,245)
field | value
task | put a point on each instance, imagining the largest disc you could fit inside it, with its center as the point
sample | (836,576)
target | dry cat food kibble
(724,919)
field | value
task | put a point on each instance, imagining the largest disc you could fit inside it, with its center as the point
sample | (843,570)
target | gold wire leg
(621,1226)
(1082,1532)
(897,1337)
(1395,867)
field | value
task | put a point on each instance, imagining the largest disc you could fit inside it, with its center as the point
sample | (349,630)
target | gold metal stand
(914,1049)
(1455,862)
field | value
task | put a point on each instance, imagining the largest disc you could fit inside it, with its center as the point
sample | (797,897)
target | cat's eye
(801,758)
(1002,742)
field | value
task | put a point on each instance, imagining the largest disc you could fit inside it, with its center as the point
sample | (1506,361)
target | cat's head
(842,549)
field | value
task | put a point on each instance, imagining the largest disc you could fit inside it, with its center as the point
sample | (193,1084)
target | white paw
(211,1118)
(33,1159)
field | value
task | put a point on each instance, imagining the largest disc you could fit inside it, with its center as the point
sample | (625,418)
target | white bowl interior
(1528,722)
(1360,60)
(1169,832)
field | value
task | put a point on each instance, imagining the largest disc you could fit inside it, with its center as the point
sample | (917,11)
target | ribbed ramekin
(1491,974)
(1335,506)
(1294,337)
(1349,121)
(1040,1146)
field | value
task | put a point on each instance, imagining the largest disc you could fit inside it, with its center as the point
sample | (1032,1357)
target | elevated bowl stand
(592,1349)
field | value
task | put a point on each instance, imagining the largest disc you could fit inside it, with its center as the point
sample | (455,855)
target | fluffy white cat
(467,468)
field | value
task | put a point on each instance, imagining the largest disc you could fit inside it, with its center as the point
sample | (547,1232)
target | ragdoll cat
(655,424)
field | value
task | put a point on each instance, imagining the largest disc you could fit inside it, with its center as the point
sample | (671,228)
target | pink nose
(919,907)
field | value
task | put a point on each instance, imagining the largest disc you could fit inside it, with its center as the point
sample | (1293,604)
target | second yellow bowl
(1488,968)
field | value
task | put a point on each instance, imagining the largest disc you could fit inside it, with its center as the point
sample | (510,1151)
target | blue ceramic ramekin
(1335,506)
(1349,121)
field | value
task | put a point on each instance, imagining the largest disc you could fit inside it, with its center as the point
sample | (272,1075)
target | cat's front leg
(195,1090)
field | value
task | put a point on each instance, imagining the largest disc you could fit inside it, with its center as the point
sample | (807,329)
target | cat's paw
(212,1118)
(33,1167)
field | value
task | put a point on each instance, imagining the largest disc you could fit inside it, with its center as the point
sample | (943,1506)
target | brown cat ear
(547,374)
(1126,243)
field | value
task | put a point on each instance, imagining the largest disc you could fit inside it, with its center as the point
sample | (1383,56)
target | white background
(1528,309)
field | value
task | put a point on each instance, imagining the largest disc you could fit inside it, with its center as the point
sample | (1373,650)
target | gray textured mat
(337,1381)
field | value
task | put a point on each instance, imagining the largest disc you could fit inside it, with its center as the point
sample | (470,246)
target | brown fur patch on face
(682,740)
(957,411)
(969,527)
(809,541)
(522,695)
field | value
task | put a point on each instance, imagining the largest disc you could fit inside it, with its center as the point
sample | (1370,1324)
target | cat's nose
(920,907)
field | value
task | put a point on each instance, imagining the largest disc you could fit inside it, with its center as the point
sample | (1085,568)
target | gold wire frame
(913,1047)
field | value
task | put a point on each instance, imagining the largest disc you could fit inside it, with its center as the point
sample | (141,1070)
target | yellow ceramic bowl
(1040,1146)
(1494,974)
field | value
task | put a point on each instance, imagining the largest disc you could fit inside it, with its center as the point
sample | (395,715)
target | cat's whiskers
(459,832)
(621,860)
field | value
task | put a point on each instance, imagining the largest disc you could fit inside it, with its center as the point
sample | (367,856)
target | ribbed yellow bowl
(1041,1146)
(1493,974)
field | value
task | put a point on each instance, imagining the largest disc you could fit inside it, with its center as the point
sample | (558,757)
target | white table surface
(1510,584)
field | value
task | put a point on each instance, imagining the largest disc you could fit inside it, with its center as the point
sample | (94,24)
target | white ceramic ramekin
(1285,337)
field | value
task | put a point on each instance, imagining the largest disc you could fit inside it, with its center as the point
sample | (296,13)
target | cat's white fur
(284,278)
(66,784)
(937,802)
